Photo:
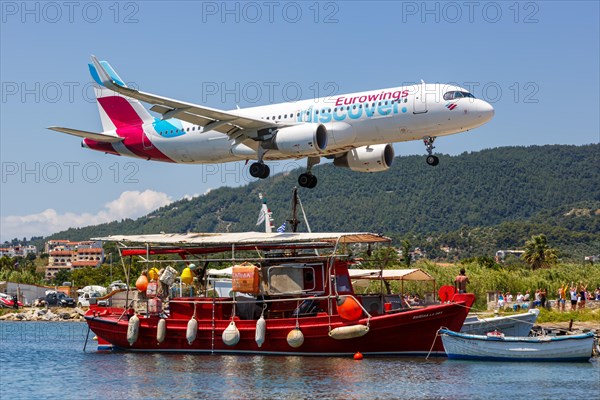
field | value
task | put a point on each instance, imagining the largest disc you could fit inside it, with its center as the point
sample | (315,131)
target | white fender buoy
(161,330)
(349,332)
(192,330)
(295,338)
(133,329)
(231,335)
(261,331)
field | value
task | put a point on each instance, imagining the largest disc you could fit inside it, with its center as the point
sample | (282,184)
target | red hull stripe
(129,126)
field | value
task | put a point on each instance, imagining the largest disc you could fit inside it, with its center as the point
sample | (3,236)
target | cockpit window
(456,95)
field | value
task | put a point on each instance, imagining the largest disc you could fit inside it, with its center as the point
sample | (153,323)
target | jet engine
(374,158)
(305,139)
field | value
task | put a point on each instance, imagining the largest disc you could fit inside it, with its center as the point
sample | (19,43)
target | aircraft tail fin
(116,110)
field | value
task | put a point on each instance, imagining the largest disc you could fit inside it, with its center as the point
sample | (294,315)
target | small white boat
(497,347)
(511,325)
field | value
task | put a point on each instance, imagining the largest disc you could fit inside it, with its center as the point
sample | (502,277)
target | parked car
(58,299)
(6,301)
(88,298)
(116,285)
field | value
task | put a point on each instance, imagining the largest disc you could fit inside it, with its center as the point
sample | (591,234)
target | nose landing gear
(431,159)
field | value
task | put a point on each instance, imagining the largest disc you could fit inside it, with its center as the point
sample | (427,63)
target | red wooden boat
(303,302)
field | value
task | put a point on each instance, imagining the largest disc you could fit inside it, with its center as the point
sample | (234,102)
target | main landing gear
(260,170)
(307,179)
(431,159)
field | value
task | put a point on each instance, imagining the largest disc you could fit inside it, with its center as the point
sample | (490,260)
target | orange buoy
(348,308)
(142,283)
(358,356)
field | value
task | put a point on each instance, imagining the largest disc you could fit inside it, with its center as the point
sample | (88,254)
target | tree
(538,254)
(407,258)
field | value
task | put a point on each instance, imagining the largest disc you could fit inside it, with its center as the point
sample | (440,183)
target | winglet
(105,75)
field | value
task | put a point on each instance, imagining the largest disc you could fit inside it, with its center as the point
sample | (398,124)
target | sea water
(46,360)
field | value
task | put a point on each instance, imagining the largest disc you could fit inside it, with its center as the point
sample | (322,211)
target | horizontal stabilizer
(98,137)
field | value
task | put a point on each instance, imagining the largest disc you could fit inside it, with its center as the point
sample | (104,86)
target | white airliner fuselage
(355,130)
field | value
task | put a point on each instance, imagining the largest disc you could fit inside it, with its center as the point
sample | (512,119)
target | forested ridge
(475,202)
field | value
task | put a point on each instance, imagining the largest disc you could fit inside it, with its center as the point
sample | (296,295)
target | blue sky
(536,62)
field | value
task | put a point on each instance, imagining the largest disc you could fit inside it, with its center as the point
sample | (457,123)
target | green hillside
(478,201)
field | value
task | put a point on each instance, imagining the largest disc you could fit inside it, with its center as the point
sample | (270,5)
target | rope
(433,344)
(86,338)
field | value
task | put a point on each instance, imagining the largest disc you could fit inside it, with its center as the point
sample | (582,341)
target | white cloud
(130,204)
(189,197)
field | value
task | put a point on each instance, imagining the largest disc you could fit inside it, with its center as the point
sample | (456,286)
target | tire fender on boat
(192,330)
(261,330)
(231,335)
(295,338)
(348,332)
(133,329)
(161,330)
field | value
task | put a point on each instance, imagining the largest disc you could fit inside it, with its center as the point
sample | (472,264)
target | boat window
(343,283)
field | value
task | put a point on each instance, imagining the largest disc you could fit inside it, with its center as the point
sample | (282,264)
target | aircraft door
(146,142)
(420,100)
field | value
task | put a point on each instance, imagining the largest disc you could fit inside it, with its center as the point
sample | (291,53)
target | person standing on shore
(582,295)
(460,283)
(573,294)
(543,298)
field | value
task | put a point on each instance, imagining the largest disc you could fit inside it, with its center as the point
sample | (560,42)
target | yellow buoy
(186,276)
(153,274)
(295,338)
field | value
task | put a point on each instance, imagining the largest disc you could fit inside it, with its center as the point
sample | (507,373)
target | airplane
(355,130)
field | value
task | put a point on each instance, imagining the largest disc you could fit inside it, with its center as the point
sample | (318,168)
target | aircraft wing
(98,137)
(231,123)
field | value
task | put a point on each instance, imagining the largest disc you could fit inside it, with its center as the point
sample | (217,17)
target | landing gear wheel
(307,180)
(266,172)
(432,160)
(259,170)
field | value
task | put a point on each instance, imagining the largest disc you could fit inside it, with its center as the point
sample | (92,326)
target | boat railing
(202,300)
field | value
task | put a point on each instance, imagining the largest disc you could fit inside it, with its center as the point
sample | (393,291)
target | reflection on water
(46,360)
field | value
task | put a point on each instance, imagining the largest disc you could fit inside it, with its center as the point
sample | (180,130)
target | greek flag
(281,229)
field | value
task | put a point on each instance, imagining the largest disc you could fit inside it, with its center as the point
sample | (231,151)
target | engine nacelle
(305,139)
(374,158)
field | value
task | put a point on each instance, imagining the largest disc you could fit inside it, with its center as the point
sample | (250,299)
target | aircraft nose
(484,110)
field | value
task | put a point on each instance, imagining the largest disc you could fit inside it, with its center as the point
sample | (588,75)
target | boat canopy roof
(245,238)
(391,274)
